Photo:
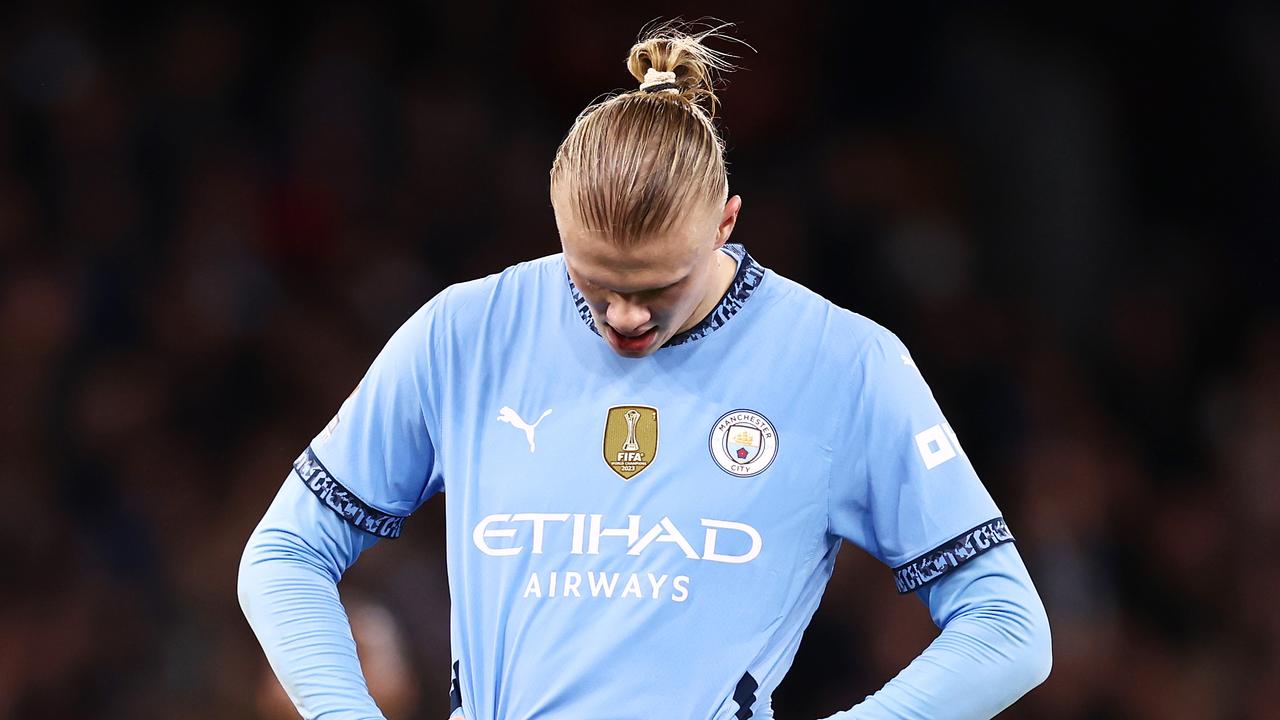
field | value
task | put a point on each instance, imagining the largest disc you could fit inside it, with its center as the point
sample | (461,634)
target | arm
(288,591)
(372,466)
(993,648)
(908,502)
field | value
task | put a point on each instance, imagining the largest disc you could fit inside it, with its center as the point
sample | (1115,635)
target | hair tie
(655,81)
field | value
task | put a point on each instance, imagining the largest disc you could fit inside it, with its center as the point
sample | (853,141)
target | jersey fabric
(635,538)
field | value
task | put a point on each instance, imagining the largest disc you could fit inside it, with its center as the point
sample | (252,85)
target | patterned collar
(745,281)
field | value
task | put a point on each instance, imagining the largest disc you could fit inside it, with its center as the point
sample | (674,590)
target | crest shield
(630,439)
(743,443)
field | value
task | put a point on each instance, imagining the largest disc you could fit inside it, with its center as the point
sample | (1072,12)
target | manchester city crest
(743,443)
(630,439)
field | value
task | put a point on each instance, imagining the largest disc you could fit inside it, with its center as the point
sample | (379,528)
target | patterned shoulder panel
(749,276)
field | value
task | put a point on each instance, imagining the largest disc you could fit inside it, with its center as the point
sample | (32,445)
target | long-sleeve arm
(994,646)
(372,466)
(288,591)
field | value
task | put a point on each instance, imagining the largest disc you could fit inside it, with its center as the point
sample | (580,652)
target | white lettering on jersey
(605,585)
(937,445)
(578,520)
(598,583)
(633,586)
(482,532)
(539,522)
(571,582)
(656,584)
(505,526)
(681,587)
(533,588)
(664,531)
(709,550)
(507,415)
(631,532)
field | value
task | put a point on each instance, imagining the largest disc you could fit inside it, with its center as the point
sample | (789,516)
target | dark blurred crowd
(210,221)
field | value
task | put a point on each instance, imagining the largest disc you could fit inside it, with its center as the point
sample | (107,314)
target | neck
(723,272)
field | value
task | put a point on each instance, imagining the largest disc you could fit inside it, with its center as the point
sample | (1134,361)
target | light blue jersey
(644,538)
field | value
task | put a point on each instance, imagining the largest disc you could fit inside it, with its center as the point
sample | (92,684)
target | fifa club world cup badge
(743,443)
(630,439)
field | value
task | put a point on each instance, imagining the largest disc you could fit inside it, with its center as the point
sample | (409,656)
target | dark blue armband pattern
(913,575)
(342,501)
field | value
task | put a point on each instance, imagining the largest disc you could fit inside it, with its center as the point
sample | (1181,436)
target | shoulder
(499,296)
(448,329)
(844,335)
(522,278)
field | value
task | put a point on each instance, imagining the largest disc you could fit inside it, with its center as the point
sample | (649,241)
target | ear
(728,219)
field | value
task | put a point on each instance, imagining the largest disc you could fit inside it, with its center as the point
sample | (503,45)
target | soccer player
(650,448)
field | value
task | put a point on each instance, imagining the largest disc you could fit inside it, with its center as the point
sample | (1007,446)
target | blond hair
(633,163)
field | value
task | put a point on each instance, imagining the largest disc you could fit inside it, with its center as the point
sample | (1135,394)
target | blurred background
(211,220)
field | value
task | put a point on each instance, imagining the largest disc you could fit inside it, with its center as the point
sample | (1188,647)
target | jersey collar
(745,282)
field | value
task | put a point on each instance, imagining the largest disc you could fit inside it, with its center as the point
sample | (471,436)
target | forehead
(650,263)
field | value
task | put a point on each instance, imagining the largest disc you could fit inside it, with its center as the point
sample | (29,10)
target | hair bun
(676,53)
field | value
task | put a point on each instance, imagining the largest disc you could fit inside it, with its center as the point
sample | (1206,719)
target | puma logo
(507,415)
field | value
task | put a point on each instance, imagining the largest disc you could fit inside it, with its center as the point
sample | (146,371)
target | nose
(626,316)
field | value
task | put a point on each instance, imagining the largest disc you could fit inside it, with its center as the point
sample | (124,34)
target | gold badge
(630,439)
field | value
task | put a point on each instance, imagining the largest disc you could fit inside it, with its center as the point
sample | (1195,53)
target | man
(651,448)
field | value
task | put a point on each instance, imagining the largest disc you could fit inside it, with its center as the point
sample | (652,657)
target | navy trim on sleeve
(342,501)
(950,555)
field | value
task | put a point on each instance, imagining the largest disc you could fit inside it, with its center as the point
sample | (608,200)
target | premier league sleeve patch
(743,443)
